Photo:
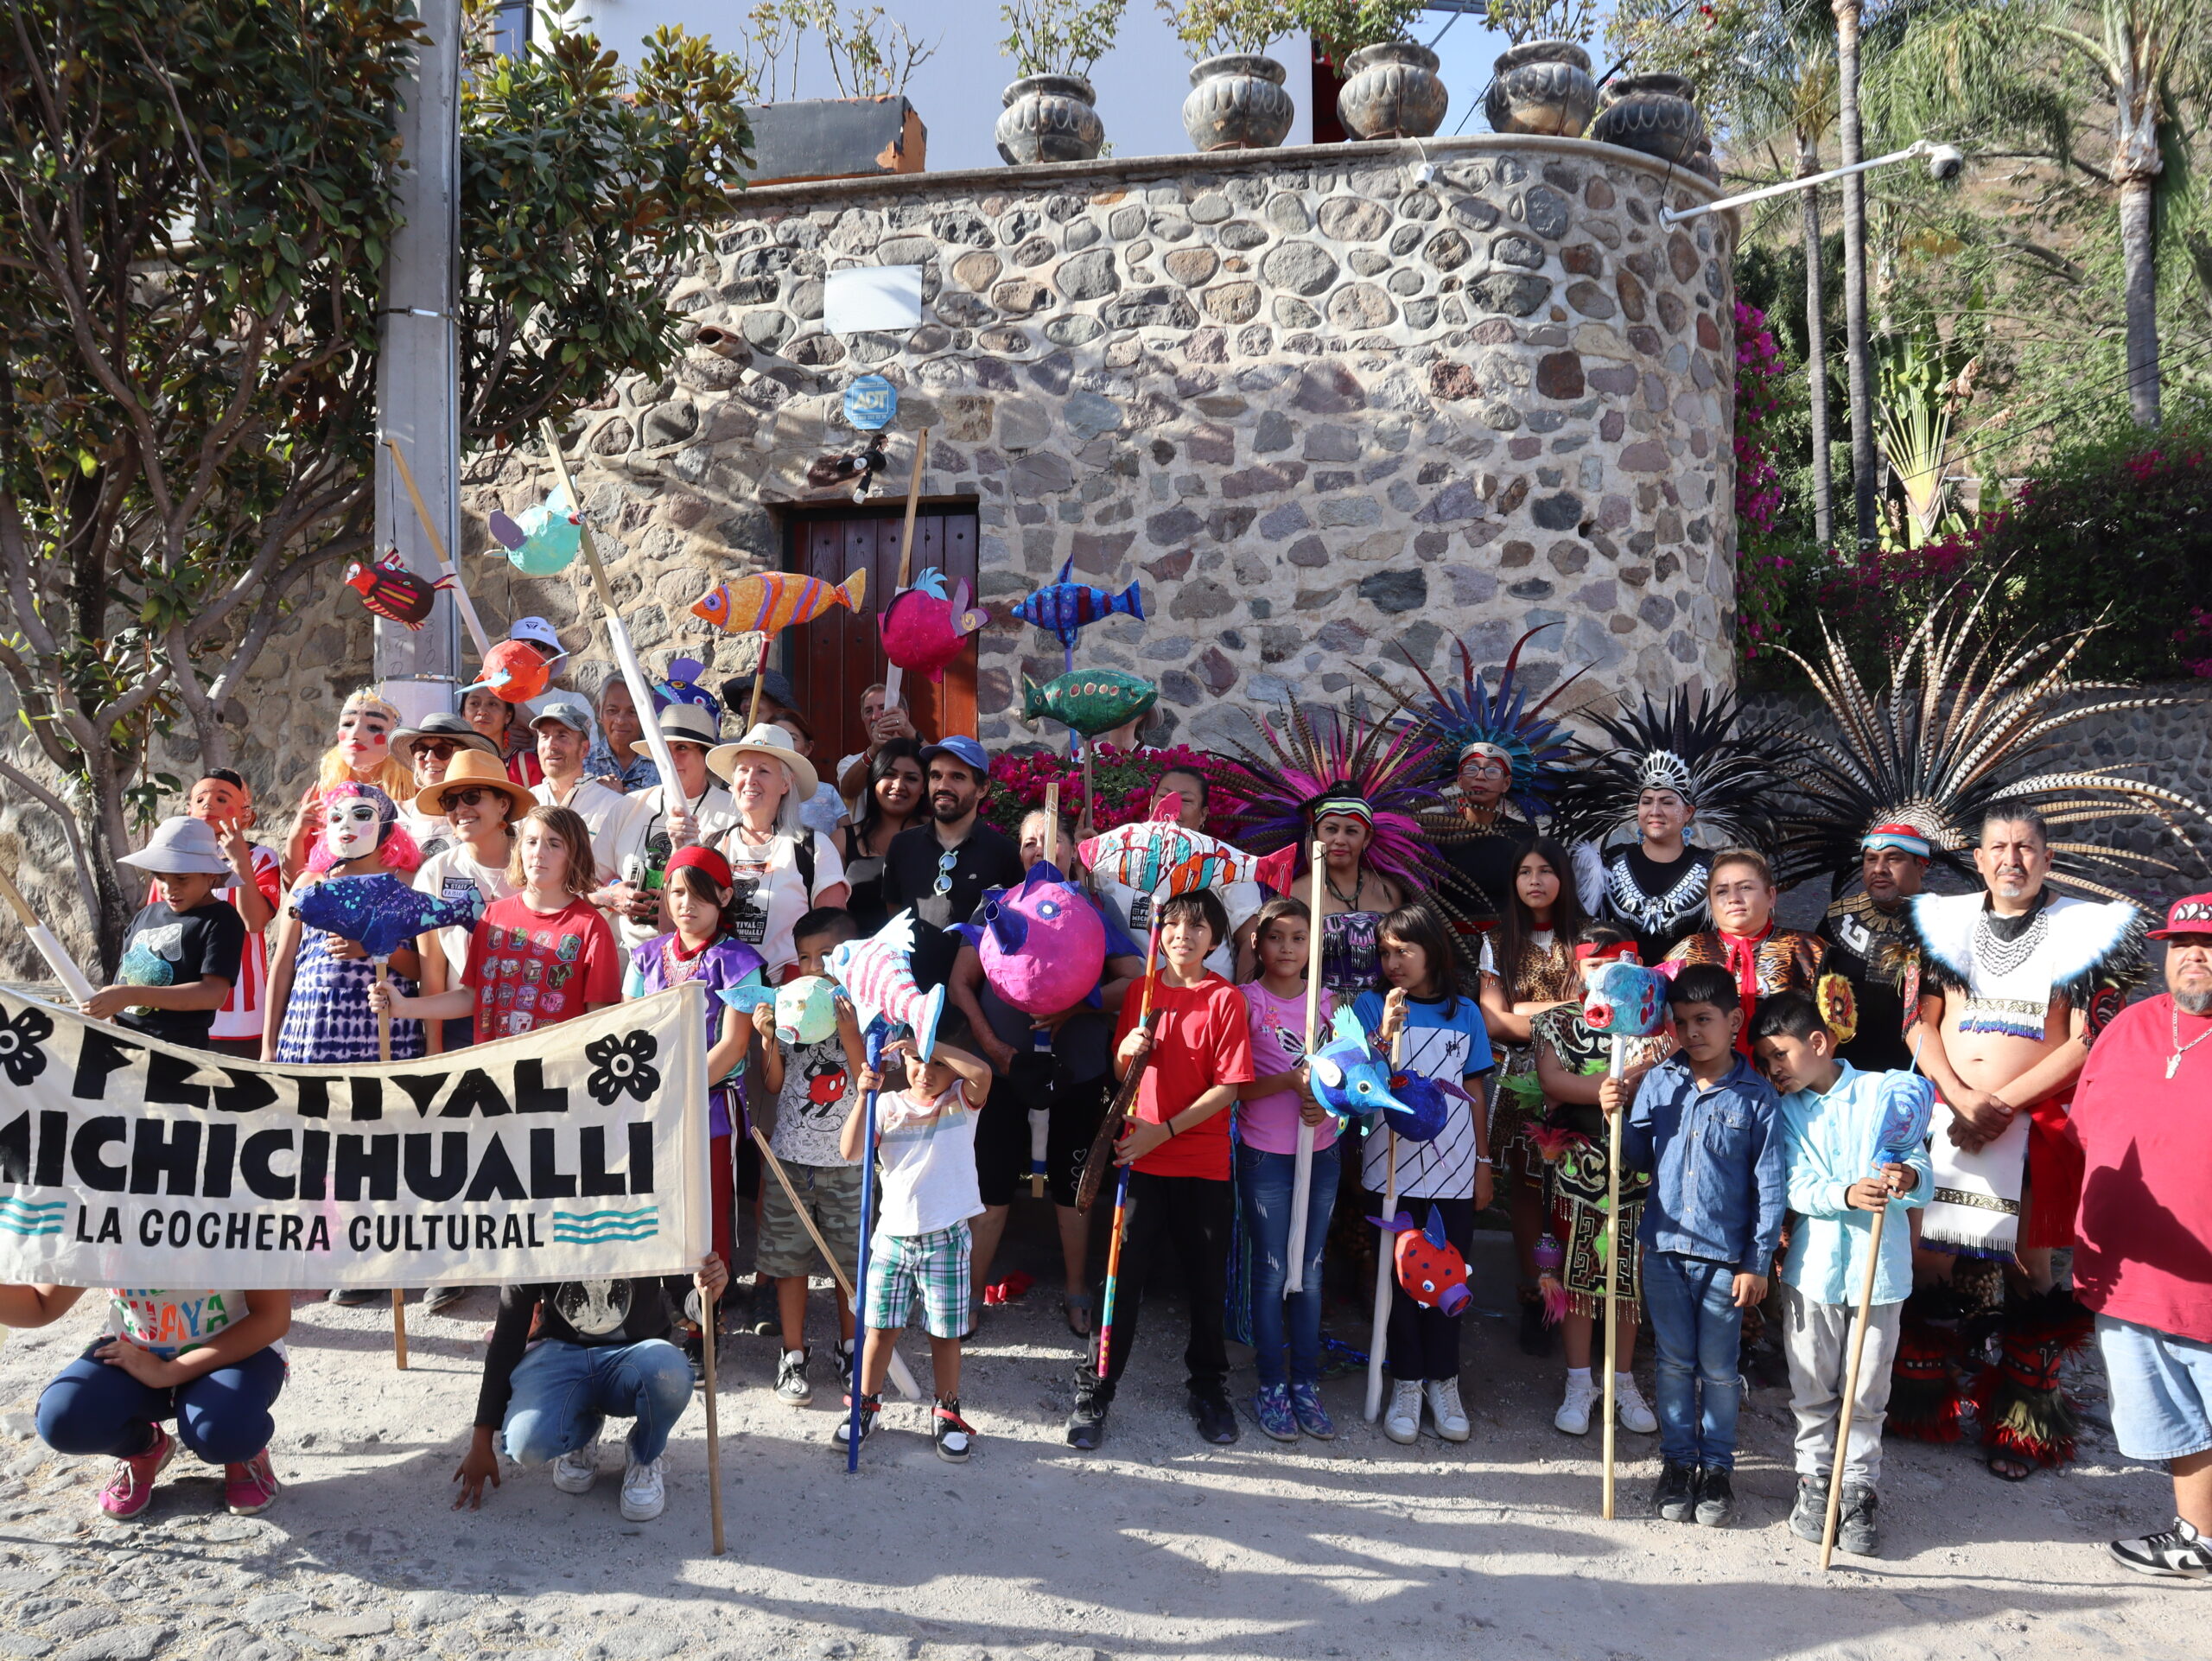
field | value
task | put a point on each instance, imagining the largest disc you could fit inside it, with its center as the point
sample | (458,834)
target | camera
(1946,162)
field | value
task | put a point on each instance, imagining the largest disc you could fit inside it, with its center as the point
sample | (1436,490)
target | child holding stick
(1446,1041)
(925,1137)
(1274,1104)
(180,956)
(1832,1117)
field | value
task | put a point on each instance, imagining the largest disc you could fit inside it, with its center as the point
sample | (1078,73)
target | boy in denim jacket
(1707,1127)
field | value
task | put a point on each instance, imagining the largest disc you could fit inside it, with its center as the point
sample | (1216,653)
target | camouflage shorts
(831,1194)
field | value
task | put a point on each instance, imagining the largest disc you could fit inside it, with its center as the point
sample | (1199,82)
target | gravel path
(1153,1548)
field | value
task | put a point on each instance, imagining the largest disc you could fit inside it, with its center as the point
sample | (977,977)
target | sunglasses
(443,750)
(943,885)
(469,797)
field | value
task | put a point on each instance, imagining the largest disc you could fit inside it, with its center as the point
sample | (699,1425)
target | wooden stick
(895,677)
(1041,1040)
(1100,1159)
(438,547)
(633,677)
(759,680)
(1617,1066)
(64,967)
(902,1375)
(1850,1389)
(1052,823)
(1113,1274)
(1301,1181)
(1379,1333)
(399,1296)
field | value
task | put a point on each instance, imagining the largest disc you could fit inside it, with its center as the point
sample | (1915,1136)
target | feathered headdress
(1951,738)
(1323,755)
(1470,716)
(1731,778)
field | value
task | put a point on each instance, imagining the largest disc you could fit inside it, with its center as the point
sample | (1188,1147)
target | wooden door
(833,659)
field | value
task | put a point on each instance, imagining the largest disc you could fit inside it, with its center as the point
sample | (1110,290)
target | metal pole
(1676,216)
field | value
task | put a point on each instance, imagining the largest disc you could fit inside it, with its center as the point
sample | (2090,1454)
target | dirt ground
(1154,1547)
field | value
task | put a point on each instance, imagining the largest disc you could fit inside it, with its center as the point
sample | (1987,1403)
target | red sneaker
(249,1488)
(131,1489)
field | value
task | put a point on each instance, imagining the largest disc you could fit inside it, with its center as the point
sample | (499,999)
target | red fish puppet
(925,628)
(393,592)
(1430,1267)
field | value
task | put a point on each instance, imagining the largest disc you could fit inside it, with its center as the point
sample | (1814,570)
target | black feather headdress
(1733,778)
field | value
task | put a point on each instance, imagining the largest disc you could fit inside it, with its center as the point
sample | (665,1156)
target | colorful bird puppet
(865,465)
(540,541)
(1353,1082)
(1624,1000)
(923,628)
(1908,1110)
(806,1008)
(1158,858)
(878,976)
(681,685)
(1042,944)
(1062,610)
(769,601)
(1089,701)
(516,671)
(393,592)
(1430,1267)
(380,913)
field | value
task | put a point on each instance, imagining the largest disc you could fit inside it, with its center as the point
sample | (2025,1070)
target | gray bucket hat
(181,844)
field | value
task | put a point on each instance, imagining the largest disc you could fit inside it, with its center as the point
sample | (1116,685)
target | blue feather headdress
(1456,719)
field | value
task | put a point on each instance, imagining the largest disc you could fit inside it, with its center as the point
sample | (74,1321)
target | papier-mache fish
(1158,858)
(1089,701)
(1062,610)
(380,913)
(923,628)
(878,976)
(767,602)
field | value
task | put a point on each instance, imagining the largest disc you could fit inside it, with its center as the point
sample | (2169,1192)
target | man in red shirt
(2143,1257)
(1176,1146)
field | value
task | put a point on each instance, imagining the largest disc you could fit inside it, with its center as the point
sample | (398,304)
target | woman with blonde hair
(361,755)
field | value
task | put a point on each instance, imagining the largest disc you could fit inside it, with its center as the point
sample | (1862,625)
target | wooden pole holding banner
(641,694)
(64,967)
(895,677)
(1378,1337)
(1850,1386)
(1615,1067)
(1301,1181)
(438,547)
(709,1334)
(398,1295)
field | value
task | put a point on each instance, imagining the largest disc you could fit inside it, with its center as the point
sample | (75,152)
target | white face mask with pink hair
(350,828)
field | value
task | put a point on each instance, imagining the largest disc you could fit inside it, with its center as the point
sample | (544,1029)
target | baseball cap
(2189,916)
(963,749)
(538,631)
(569,712)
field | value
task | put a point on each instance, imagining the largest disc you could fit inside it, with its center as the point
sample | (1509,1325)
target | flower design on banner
(21,1058)
(622,1062)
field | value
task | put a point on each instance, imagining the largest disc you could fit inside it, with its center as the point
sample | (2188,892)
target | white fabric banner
(577,1152)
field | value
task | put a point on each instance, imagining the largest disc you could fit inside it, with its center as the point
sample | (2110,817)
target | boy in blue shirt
(1832,1120)
(1708,1128)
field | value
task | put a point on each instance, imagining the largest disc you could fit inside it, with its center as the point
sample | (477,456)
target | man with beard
(2143,1257)
(939,870)
(2018,983)
(1869,945)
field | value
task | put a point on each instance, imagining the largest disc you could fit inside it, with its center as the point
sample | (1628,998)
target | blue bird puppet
(1353,1082)
(380,913)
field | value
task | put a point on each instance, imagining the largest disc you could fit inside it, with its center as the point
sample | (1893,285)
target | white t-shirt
(450,875)
(928,1158)
(432,833)
(639,848)
(770,897)
(605,812)
(167,1322)
(1134,910)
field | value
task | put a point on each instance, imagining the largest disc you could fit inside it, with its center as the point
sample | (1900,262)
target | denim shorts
(2161,1391)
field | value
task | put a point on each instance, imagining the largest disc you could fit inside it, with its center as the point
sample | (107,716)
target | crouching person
(604,1350)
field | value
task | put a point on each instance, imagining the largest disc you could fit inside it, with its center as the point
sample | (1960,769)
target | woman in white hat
(781,868)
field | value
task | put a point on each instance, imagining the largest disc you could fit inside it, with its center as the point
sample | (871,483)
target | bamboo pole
(895,677)
(398,1295)
(64,967)
(1301,1183)
(438,547)
(1615,1066)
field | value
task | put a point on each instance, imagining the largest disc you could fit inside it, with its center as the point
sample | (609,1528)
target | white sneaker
(1629,1406)
(574,1473)
(1444,1407)
(1401,1419)
(645,1492)
(1574,1415)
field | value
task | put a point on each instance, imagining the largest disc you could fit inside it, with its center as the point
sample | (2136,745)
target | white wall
(1141,83)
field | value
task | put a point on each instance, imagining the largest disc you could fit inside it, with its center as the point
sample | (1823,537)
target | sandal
(2020,1472)
(1072,1304)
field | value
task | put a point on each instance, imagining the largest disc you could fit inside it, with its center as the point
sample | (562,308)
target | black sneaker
(1856,1531)
(842,1435)
(1675,1493)
(792,1385)
(1215,1418)
(1536,1336)
(1716,1499)
(2180,1552)
(1808,1517)
(1087,1423)
(954,1438)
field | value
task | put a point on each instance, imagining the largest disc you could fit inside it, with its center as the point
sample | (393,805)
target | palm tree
(1858,357)
(2005,70)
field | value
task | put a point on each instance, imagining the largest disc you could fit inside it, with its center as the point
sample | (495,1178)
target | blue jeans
(223,1415)
(1699,1326)
(1263,1185)
(562,1393)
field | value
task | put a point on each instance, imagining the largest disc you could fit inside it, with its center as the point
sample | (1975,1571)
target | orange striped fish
(771,600)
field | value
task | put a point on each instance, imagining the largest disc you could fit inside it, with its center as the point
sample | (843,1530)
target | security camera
(1946,162)
(1424,174)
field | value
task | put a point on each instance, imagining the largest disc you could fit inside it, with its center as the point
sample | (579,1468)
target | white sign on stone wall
(872,297)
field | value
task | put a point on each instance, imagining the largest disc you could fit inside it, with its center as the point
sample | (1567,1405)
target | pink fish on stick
(878,976)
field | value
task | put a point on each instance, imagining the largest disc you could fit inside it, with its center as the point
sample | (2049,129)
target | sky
(1141,83)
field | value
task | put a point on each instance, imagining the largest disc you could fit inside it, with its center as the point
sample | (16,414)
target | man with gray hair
(2143,1253)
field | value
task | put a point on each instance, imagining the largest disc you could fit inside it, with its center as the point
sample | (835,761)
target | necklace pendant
(2173,1064)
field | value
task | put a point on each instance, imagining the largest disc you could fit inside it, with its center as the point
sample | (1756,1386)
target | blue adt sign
(870,402)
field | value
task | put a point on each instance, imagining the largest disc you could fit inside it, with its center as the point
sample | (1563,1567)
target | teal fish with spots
(1089,701)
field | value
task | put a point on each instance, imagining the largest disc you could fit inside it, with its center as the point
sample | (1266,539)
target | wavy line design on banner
(19,1217)
(591,1227)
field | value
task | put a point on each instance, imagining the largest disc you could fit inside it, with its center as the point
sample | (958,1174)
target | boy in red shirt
(1176,1145)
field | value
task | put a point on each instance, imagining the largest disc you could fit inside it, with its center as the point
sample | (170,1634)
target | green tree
(195,199)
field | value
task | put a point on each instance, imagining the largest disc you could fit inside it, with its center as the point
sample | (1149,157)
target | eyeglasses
(443,750)
(945,871)
(469,797)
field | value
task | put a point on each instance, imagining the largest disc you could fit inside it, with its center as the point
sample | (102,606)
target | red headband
(716,867)
(1590,951)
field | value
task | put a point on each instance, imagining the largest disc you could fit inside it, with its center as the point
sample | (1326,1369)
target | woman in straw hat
(780,869)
